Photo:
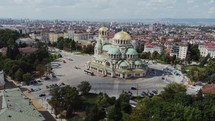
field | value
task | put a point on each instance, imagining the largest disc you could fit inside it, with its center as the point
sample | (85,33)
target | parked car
(155,91)
(46,78)
(42,95)
(133,88)
(129,93)
(143,94)
(60,84)
(151,94)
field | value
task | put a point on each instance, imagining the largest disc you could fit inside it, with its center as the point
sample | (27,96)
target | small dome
(114,51)
(106,47)
(122,36)
(131,51)
(103,29)
(123,64)
(138,62)
(98,45)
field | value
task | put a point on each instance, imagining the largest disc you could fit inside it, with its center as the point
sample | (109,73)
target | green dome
(98,45)
(138,62)
(107,47)
(99,58)
(114,51)
(123,64)
(131,51)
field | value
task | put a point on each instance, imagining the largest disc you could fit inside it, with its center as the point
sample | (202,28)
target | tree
(102,100)
(145,55)
(114,113)
(195,53)
(64,98)
(84,87)
(95,114)
(19,74)
(204,60)
(155,55)
(26,77)
(171,90)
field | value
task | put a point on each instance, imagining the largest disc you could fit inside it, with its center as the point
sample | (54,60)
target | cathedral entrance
(107,64)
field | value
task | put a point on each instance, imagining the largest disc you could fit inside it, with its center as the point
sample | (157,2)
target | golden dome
(103,29)
(122,36)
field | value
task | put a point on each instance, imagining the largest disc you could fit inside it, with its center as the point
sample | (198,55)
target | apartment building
(207,48)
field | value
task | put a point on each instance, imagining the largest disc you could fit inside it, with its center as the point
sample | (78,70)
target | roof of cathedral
(114,51)
(138,62)
(103,29)
(131,51)
(123,64)
(122,36)
(98,45)
(106,47)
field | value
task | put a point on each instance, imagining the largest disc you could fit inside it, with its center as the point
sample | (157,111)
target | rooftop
(17,107)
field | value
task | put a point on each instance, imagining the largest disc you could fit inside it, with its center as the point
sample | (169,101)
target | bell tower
(103,32)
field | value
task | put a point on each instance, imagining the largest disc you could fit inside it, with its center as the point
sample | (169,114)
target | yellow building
(54,36)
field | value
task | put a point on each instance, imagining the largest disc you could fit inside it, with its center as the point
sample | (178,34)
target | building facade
(207,48)
(179,50)
(149,47)
(116,57)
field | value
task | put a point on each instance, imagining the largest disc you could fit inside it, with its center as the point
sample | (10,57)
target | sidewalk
(39,107)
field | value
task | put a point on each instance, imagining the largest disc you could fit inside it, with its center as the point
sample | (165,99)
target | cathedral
(116,57)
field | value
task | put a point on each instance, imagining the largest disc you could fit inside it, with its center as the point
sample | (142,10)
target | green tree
(114,113)
(155,55)
(84,87)
(95,114)
(26,77)
(19,74)
(171,90)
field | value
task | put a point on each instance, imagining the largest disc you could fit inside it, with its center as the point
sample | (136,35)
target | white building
(77,36)
(207,48)
(182,51)
(153,47)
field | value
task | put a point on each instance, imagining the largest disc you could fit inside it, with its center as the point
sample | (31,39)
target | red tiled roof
(209,88)
(27,50)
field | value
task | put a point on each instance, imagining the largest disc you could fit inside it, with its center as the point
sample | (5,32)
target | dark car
(129,93)
(133,88)
(151,94)
(53,76)
(143,94)
(42,95)
(46,78)
(155,91)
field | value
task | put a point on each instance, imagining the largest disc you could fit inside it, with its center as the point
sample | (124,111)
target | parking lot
(70,71)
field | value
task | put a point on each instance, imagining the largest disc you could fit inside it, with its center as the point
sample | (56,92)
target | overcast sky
(106,9)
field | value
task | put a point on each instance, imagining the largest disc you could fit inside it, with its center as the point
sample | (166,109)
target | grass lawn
(198,67)
(89,99)
(160,61)
(76,118)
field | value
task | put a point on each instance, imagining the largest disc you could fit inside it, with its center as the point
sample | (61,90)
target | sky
(106,9)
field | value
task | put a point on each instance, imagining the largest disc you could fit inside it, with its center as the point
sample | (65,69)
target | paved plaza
(70,70)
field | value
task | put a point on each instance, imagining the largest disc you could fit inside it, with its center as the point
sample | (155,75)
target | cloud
(211,10)
(190,1)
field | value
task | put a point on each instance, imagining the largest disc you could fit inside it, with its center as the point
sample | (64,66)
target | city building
(116,57)
(27,41)
(152,47)
(207,48)
(53,37)
(77,36)
(15,106)
(179,50)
